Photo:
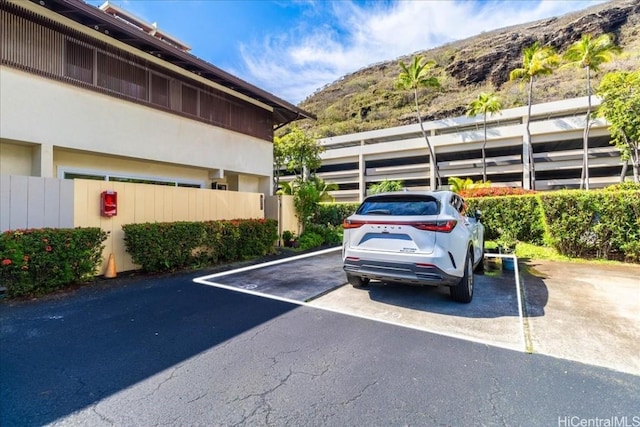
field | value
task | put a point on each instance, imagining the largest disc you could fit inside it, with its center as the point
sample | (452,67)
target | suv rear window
(400,205)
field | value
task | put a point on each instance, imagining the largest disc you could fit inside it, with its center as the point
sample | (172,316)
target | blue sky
(292,48)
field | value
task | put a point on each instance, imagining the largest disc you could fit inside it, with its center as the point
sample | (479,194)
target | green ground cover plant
(325,225)
(38,261)
(309,240)
(330,234)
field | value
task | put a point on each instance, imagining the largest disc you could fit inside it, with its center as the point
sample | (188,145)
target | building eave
(90,16)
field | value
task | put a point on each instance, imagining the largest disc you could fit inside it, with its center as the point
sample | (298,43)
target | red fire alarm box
(108,203)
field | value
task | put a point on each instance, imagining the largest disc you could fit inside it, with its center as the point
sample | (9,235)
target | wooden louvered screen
(41,46)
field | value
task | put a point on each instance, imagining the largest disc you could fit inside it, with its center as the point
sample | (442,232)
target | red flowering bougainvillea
(495,192)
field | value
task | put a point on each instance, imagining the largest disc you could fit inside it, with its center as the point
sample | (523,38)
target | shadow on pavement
(535,290)
(495,295)
(298,280)
(61,355)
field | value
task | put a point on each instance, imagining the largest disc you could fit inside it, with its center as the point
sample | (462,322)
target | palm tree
(386,186)
(484,103)
(589,53)
(412,77)
(537,60)
(461,184)
(324,189)
(287,187)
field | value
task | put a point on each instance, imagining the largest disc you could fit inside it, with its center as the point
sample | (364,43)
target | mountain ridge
(366,99)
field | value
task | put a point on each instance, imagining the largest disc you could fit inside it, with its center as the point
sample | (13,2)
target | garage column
(433,165)
(526,160)
(42,161)
(362,173)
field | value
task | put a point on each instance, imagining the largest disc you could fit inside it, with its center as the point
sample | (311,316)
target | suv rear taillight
(439,226)
(348,223)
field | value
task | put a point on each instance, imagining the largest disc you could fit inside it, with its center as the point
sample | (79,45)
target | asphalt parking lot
(162,350)
(588,313)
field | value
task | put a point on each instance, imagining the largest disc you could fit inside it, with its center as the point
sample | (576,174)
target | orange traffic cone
(111,268)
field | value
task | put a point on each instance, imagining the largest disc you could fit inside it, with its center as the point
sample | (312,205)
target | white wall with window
(76,101)
(69,118)
(74,164)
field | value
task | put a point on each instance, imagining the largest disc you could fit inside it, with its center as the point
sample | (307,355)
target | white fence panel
(33,202)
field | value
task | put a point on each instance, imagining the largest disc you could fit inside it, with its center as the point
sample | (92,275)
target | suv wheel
(463,291)
(356,281)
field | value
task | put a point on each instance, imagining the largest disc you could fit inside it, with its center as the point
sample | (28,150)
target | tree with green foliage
(590,53)
(279,162)
(305,201)
(298,153)
(307,194)
(386,186)
(483,104)
(620,94)
(411,77)
(537,60)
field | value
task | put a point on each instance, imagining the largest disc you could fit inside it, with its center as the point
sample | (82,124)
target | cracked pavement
(203,356)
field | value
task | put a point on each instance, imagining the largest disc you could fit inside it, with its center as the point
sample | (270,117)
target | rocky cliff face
(507,45)
(367,99)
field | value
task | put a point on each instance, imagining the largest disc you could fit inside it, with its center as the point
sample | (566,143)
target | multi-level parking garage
(356,161)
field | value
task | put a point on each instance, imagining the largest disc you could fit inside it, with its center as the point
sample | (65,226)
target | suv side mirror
(478,215)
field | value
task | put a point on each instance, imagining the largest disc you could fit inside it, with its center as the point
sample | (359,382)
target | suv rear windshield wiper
(378,212)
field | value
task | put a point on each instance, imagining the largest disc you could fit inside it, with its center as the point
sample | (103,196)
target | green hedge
(602,224)
(520,216)
(333,213)
(594,223)
(171,246)
(38,261)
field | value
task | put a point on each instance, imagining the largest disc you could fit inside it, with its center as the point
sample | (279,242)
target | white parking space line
(208,281)
(204,279)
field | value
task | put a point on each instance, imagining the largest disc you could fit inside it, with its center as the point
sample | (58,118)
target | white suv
(420,238)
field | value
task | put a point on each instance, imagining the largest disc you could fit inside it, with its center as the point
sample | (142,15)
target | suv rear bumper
(409,273)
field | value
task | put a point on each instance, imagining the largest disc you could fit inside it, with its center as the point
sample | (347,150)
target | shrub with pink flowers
(37,261)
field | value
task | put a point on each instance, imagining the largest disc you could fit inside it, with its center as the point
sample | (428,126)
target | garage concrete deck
(584,312)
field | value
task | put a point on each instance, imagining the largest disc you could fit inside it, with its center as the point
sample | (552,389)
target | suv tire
(463,291)
(357,281)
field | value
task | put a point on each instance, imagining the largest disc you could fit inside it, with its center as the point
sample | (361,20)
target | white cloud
(306,58)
